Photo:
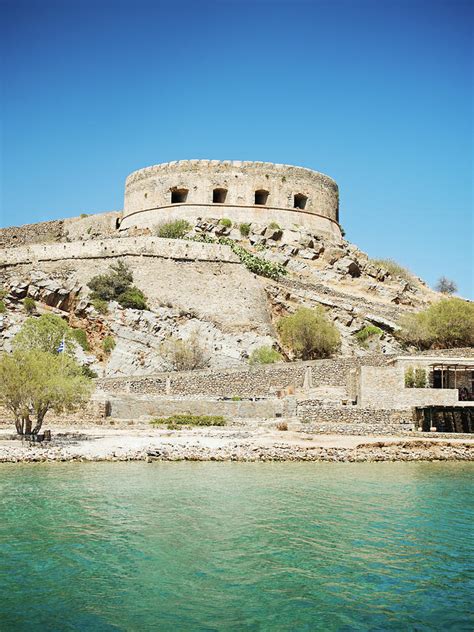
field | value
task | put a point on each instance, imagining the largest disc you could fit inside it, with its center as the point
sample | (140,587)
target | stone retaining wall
(245,382)
(126,406)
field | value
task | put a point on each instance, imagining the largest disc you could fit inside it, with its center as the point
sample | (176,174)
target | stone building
(259,192)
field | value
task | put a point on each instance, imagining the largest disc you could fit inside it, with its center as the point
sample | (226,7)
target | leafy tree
(44,334)
(32,382)
(448,323)
(265,355)
(446,286)
(116,285)
(309,334)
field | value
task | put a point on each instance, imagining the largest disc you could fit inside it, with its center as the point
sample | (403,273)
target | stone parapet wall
(104,249)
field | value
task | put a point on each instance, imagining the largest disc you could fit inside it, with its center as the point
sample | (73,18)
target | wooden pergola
(450,366)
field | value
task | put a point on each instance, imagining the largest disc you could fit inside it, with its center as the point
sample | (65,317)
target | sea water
(236,546)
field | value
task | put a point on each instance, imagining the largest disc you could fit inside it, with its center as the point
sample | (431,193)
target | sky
(376,94)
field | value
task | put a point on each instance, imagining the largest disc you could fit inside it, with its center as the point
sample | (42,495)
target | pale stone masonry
(242,191)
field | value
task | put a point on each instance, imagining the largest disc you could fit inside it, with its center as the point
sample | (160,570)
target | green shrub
(274,226)
(46,333)
(108,344)
(420,377)
(80,337)
(175,229)
(109,286)
(308,334)
(132,298)
(225,221)
(244,229)
(116,285)
(366,333)
(189,420)
(83,215)
(236,398)
(3,294)
(29,304)
(252,262)
(409,377)
(265,355)
(88,372)
(449,323)
(394,268)
(3,307)
(100,305)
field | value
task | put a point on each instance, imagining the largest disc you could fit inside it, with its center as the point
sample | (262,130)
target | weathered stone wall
(148,194)
(256,381)
(96,226)
(104,249)
(133,406)
(384,387)
(310,411)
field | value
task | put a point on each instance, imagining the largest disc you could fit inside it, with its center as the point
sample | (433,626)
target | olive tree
(45,333)
(34,382)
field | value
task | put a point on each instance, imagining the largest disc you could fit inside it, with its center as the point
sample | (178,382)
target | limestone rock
(347,265)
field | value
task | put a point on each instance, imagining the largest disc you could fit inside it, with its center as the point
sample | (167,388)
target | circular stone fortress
(259,192)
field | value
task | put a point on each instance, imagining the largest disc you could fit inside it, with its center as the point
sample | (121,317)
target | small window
(261,197)
(300,201)
(178,196)
(219,196)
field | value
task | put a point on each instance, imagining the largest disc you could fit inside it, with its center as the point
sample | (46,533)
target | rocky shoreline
(232,444)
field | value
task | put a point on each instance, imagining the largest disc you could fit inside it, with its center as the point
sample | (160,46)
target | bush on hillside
(175,229)
(108,344)
(225,221)
(367,333)
(308,334)
(265,355)
(3,307)
(80,337)
(46,333)
(29,304)
(100,305)
(185,355)
(116,285)
(244,229)
(448,323)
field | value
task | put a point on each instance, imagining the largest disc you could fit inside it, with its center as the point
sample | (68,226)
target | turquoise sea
(236,546)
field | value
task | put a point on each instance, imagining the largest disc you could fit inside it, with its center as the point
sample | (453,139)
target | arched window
(219,196)
(261,197)
(300,201)
(178,196)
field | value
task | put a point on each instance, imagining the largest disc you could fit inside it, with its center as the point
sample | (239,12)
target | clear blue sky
(377,95)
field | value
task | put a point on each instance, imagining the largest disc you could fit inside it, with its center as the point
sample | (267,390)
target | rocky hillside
(206,291)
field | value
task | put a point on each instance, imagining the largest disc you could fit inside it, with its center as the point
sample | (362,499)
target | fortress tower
(259,192)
